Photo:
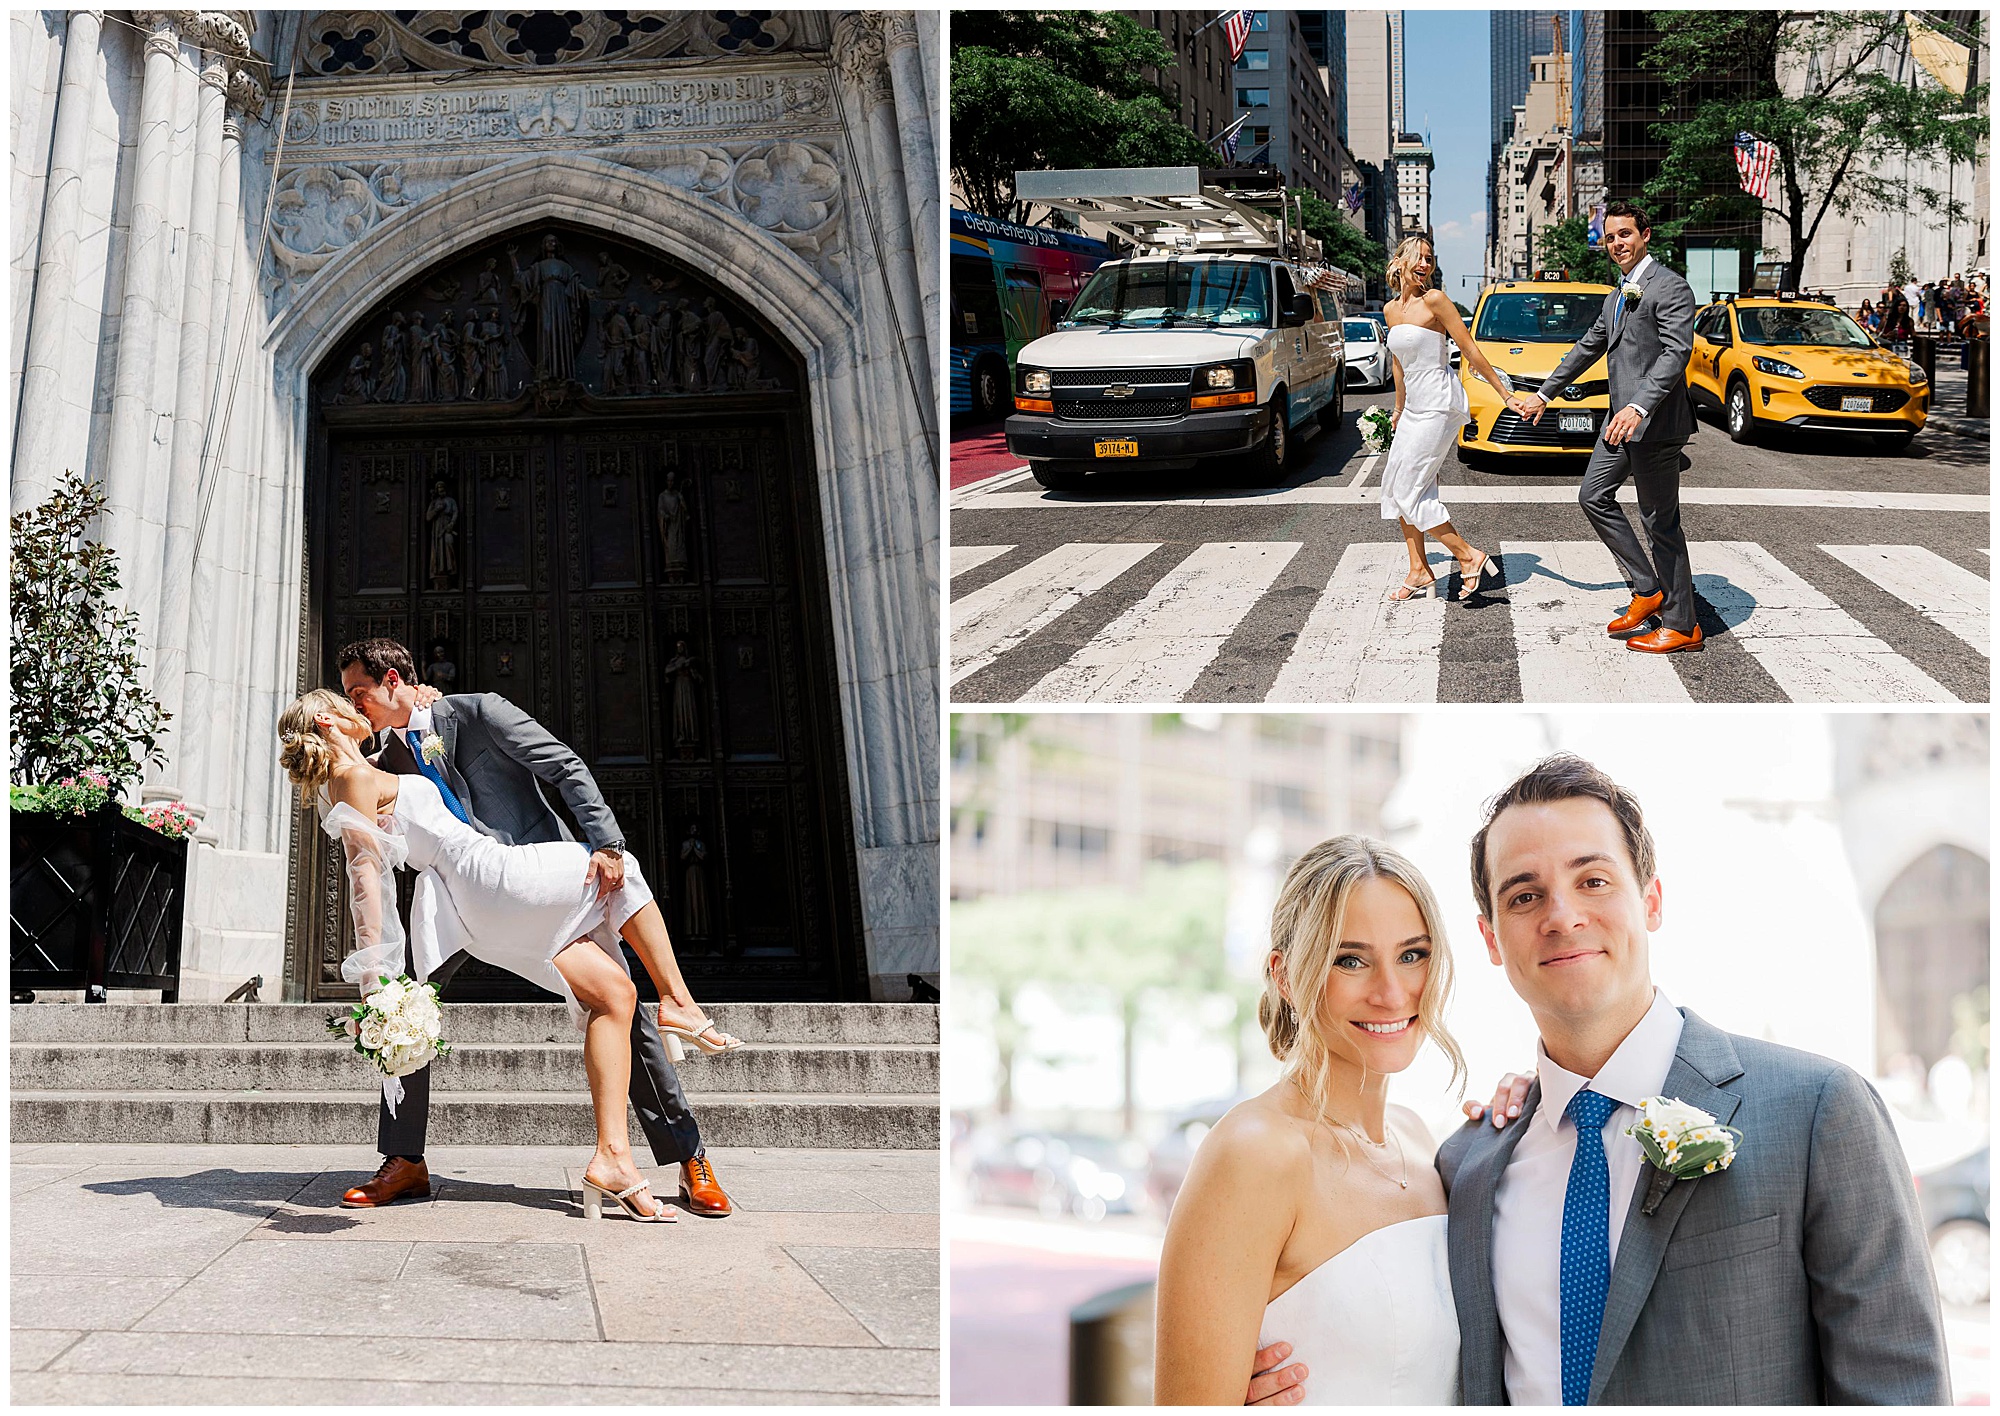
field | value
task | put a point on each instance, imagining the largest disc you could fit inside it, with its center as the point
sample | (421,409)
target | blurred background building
(1112,876)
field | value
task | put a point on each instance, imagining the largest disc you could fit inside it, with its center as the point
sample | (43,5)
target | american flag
(1227,142)
(1237,27)
(1754,160)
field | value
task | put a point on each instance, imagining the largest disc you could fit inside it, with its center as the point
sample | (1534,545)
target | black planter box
(96,904)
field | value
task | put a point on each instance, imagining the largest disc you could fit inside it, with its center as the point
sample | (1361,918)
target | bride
(1430,409)
(1312,1212)
(524,908)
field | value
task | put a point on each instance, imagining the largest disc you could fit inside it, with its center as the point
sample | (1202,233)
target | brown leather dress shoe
(1642,608)
(398,1179)
(1665,641)
(704,1196)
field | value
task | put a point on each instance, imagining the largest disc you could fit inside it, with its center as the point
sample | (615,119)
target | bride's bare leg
(646,932)
(601,986)
(1464,552)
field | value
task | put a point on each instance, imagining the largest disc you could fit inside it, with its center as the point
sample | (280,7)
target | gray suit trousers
(656,1094)
(1655,470)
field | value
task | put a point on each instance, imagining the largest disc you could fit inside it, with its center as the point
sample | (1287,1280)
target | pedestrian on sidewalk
(1867,318)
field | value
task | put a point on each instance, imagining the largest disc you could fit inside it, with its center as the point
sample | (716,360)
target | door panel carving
(630,550)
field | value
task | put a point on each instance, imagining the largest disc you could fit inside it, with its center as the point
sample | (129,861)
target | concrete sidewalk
(229,1275)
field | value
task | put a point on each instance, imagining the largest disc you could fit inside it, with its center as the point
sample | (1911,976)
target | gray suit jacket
(1798,1276)
(496,758)
(1647,357)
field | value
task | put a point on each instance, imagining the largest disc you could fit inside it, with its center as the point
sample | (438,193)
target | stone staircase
(832,1075)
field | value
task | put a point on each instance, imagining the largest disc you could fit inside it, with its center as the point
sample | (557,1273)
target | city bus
(1003,277)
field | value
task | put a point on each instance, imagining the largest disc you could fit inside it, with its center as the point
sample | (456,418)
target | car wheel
(1737,417)
(1267,463)
(1961,1255)
(1893,442)
(990,398)
(1330,416)
(1056,476)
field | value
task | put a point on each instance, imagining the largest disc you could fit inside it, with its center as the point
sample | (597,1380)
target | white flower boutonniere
(433,749)
(1681,1142)
(1631,291)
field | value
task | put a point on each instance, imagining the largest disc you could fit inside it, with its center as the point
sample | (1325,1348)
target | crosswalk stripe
(1359,646)
(1562,594)
(1320,493)
(996,617)
(1816,651)
(964,558)
(1942,591)
(1154,652)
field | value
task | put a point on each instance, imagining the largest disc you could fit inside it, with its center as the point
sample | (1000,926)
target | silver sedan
(1367,353)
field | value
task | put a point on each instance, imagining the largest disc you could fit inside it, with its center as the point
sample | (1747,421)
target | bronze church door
(573,474)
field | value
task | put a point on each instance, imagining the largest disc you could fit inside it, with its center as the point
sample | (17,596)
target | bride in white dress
(527,909)
(1430,409)
(1312,1214)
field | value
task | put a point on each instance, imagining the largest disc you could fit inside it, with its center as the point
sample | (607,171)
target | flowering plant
(1377,431)
(1682,1140)
(169,818)
(398,1028)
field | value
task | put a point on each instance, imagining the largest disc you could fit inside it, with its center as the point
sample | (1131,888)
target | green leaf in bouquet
(1650,1146)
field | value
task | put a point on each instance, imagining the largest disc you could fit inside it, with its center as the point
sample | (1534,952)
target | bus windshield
(1538,317)
(1157,294)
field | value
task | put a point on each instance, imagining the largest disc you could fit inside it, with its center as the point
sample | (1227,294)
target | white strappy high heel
(708,1038)
(595,1194)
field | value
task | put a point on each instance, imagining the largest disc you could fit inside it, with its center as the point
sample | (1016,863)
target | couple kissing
(1320,1252)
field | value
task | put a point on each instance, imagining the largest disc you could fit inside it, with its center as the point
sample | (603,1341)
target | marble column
(914,122)
(39,415)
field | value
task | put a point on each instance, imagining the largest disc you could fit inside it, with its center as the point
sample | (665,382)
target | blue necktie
(1618,312)
(437,777)
(1586,1245)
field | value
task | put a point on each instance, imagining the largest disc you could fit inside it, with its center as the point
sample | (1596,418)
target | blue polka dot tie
(1586,1245)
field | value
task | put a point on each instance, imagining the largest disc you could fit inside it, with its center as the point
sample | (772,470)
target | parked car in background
(1174,1152)
(1367,353)
(1954,1199)
(1056,1173)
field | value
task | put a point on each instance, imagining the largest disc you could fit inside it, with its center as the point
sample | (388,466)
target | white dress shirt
(413,731)
(1528,1202)
(1637,271)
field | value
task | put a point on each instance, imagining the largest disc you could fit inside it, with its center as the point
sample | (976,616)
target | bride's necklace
(1368,1146)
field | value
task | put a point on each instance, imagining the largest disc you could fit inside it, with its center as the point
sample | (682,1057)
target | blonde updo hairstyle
(1306,927)
(304,751)
(1401,263)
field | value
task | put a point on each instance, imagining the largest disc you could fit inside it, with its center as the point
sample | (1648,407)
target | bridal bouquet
(1377,432)
(398,1028)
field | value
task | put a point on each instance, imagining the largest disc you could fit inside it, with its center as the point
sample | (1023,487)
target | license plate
(1577,423)
(1857,405)
(1112,448)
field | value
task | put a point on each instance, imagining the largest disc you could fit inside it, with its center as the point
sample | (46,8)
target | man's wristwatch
(616,850)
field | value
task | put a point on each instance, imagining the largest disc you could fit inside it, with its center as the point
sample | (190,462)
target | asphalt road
(1827,571)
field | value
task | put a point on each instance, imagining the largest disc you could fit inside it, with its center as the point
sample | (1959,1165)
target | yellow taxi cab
(1524,327)
(1765,362)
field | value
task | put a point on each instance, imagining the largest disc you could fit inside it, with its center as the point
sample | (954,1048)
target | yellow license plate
(1113,448)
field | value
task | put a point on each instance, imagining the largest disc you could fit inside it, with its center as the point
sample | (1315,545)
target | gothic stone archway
(1931,941)
(577,473)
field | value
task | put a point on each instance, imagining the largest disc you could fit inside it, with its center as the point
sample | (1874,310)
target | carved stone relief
(396,41)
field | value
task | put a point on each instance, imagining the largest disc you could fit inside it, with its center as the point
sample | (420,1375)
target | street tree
(1035,89)
(1565,245)
(1346,247)
(1836,91)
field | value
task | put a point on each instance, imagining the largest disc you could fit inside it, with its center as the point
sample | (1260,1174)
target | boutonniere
(1631,291)
(1681,1142)
(433,749)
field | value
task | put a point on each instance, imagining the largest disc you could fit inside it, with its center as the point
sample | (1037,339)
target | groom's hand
(1625,423)
(1272,1385)
(606,870)
(1508,1098)
(1532,406)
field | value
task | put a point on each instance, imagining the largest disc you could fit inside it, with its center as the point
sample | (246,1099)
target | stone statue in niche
(358,384)
(441,672)
(444,345)
(682,676)
(617,342)
(472,351)
(394,385)
(687,346)
(642,348)
(552,286)
(694,881)
(715,348)
(442,516)
(612,278)
(493,378)
(665,370)
(423,357)
(671,510)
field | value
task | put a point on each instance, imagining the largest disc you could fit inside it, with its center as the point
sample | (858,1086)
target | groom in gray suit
(1798,1275)
(1647,327)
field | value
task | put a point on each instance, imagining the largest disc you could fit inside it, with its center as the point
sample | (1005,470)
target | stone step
(326,1065)
(915,1023)
(881,1122)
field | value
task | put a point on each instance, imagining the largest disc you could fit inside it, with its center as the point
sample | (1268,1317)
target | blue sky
(1447,79)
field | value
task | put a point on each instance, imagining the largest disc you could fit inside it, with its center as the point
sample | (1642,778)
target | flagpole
(1212,24)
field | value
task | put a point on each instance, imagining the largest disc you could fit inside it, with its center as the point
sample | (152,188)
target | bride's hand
(1508,1098)
(1272,1385)
(427,694)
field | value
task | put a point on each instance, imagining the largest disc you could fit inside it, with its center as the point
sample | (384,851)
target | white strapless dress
(1434,409)
(1374,1324)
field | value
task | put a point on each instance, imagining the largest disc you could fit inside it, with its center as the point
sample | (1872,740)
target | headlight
(1222,376)
(1917,374)
(1034,380)
(1777,367)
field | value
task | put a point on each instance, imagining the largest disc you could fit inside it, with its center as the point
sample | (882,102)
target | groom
(1581,1275)
(497,762)
(1647,325)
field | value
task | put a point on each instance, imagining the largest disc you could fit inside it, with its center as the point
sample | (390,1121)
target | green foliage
(1346,246)
(1566,246)
(1899,267)
(1056,89)
(78,703)
(1834,124)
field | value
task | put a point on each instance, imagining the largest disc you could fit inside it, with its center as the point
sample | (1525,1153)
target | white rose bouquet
(1377,431)
(398,1028)
(1683,1140)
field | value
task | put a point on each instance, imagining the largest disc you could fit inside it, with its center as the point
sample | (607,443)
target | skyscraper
(1374,114)
(1516,37)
